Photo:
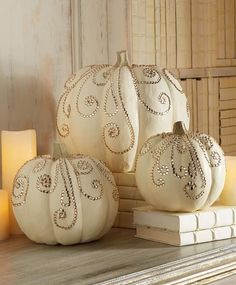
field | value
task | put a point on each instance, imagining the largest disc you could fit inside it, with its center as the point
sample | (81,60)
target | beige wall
(35,60)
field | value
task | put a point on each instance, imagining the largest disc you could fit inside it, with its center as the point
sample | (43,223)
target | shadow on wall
(27,103)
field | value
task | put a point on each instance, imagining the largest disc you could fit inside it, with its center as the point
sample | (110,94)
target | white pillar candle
(228,196)
(4,215)
(17,148)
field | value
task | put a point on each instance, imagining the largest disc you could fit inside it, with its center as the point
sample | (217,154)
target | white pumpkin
(180,171)
(65,200)
(109,111)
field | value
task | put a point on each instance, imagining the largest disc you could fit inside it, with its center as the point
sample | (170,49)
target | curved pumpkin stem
(122,58)
(179,128)
(59,151)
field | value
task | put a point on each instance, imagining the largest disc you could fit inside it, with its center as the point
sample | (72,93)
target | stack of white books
(216,223)
(129,199)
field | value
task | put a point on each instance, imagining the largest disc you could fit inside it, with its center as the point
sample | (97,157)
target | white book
(215,216)
(187,238)
(129,192)
(125,179)
(127,205)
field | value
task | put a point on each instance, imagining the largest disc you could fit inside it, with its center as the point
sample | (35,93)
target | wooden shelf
(207,72)
(117,254)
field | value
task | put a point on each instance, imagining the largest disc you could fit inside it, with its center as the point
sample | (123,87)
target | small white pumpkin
(109,111)
(180,171)
(64,200)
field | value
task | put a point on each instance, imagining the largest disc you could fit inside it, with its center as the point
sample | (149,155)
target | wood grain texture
(171,33)
(229,29)
(26,263)
(183,30)
(221,28)
(35,57)
(118,28)
(94,32)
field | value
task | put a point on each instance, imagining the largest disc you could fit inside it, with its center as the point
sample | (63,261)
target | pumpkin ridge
(114,127)
(161,97)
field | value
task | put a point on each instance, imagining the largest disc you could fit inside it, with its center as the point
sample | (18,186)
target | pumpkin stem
(59,151)
(179,128)
(122,58)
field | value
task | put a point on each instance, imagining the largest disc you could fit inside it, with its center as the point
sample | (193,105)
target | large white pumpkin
(180,171)
(65,200)
(109,111)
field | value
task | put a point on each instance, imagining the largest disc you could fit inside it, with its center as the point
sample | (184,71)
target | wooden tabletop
(117,254)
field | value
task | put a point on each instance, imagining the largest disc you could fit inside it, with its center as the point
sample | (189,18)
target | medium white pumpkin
(180,171)
(109,111)
(65,200)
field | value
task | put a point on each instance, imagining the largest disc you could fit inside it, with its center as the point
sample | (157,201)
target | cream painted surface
(35,60)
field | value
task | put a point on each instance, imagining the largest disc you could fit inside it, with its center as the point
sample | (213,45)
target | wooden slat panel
(228,114)
(183,25)
(150,32)
(229,148)
(229,29)
(228,130)
(229,104)
(196,34)
(202,93)
(138,31)
(213,91)
(224,62)
(228,122)
(158,31)
(231,153)
(143,27)
(190,101)
(211,36)
(228,82)
(221,28)
(195,105)
(163,34)
(223,71)
(118,27)
(171,33)
(228,93)
(228,140)
(94,32)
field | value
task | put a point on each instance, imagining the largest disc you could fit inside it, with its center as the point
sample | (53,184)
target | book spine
(127,205)
(124,220)
(129,192)
(181,239)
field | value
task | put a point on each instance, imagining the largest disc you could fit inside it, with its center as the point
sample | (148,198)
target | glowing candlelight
(17,148)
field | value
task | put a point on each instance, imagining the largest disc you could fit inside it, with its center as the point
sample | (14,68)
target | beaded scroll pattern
(67,198)
(84,167)
(21,181)
(192,171)
(46,185)
(103,76)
